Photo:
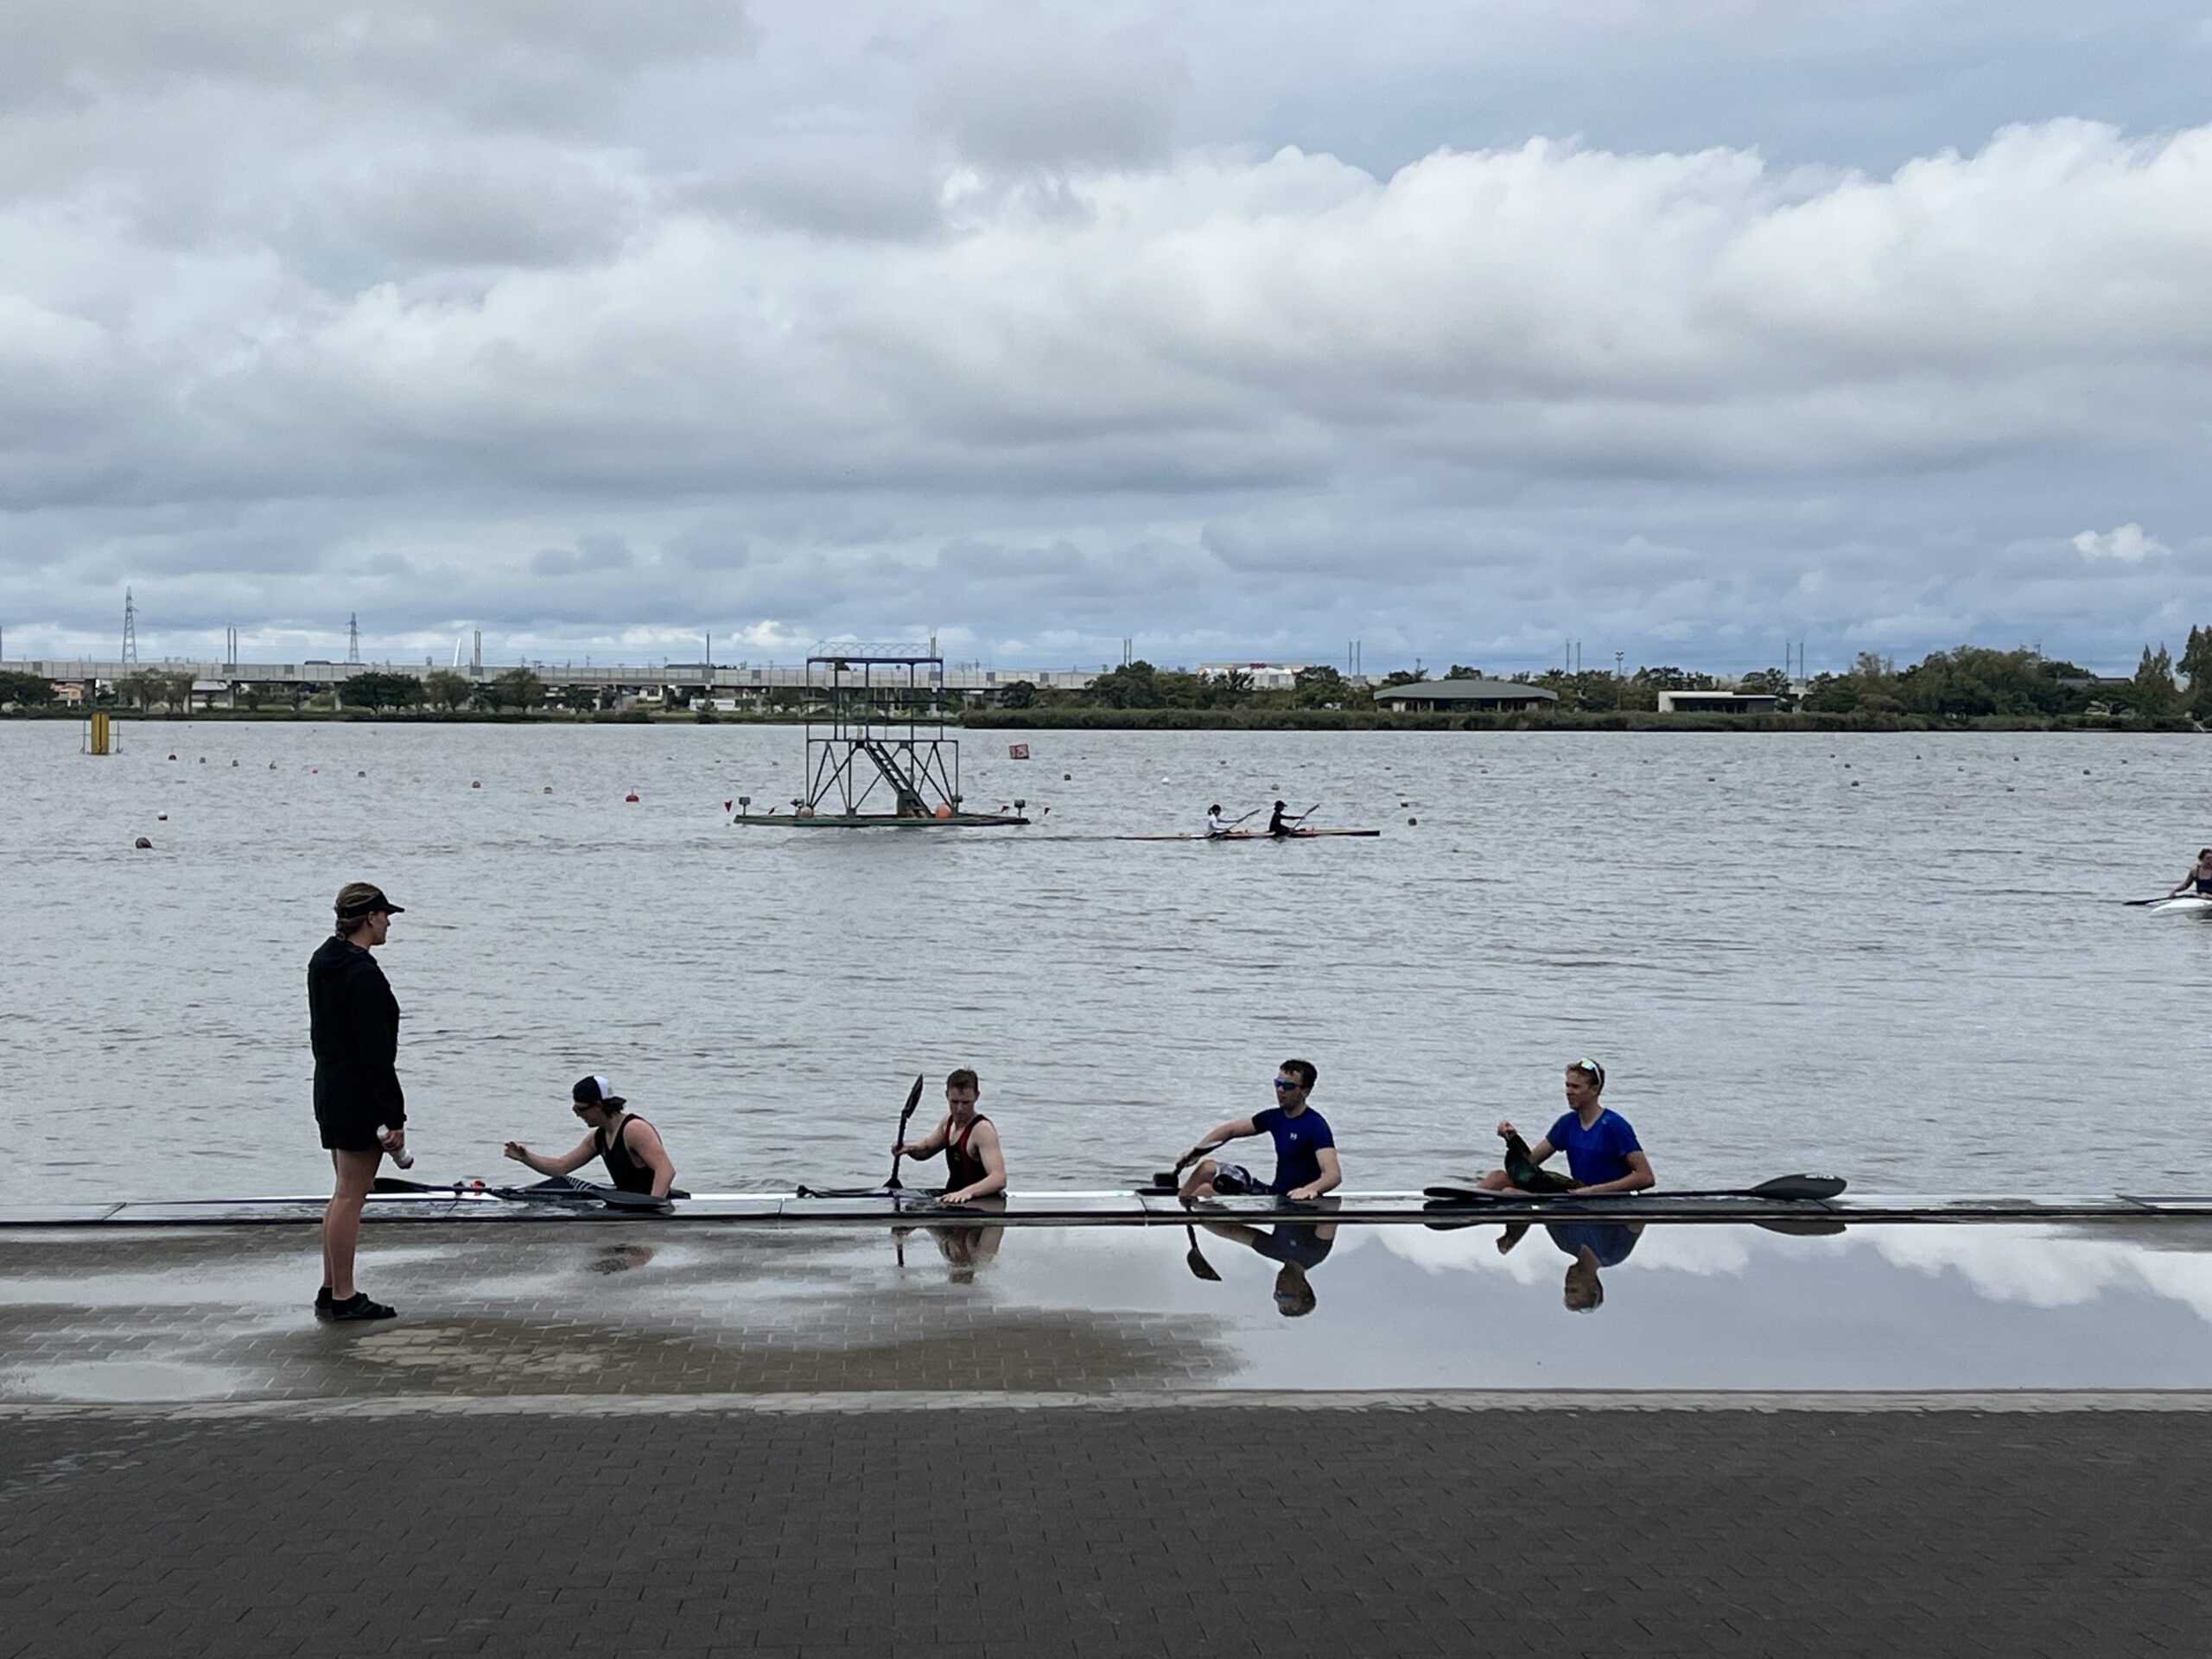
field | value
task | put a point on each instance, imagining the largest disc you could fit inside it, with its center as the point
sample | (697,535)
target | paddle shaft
(898,1151)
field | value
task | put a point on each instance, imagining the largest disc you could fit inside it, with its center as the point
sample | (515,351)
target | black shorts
(348,1132)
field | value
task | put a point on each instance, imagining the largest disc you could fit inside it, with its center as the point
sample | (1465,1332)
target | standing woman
(354,1021)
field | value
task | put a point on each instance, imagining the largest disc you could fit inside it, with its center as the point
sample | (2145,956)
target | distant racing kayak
(1259,835)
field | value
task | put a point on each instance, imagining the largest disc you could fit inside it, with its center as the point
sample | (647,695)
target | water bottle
(404,1158)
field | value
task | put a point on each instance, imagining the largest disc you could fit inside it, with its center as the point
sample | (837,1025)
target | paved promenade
(1153,1529)
(811,1446)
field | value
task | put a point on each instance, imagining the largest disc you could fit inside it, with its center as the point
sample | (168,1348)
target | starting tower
(878,756)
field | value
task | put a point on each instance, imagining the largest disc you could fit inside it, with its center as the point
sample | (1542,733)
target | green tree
(446,689)
(520,688)
(2196,663)
(2153,693)
(141,689)
(581,698)
(1320,687)
(1765,682)
(1022,693)
(1233,688)
(1461,672)
(1133,685)
(1395,678)
(375,688)
(25,690)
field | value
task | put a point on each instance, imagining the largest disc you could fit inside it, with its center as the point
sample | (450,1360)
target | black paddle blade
(1800,1186)
(396,1184)
(913,1099)
(1802,1226)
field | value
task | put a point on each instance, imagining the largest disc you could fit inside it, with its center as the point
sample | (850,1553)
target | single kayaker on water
(1306,1151)
(975,1163)
(1602,1151)
(2199,878)
(1278,825)
(1217,825)
(636,1159)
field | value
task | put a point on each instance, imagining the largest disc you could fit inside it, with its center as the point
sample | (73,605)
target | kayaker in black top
(1278,825)
(354,1024)
(631,1149)
(2199,878)
(975,1163)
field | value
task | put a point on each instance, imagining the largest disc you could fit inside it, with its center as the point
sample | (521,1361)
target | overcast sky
(1460,328)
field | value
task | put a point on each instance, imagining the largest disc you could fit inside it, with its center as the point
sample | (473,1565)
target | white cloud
(2128,544)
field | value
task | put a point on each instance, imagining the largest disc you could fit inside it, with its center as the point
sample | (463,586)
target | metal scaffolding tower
(129,630)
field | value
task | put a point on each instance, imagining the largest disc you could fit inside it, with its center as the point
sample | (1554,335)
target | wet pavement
(811,1441)
(625,1309)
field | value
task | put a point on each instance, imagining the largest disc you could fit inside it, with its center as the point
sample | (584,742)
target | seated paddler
(636,1159)
(975,1162)
(1306,1165)
(1603,1154)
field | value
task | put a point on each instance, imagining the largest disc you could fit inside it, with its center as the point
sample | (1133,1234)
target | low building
(1453,696)
(1262,676)
(1718,703)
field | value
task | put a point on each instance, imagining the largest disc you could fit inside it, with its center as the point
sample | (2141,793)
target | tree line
(1966,683)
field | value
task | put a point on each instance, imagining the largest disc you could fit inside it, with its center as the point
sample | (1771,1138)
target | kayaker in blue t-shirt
(1603,1154)
(1306,1152)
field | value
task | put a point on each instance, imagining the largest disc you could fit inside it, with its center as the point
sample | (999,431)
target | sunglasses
(1288,1082)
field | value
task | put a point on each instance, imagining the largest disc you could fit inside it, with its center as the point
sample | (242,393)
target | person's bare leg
(342,1219)
(1199,1184)
(1497,1181)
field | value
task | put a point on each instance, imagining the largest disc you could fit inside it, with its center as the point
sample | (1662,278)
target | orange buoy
(632,795)
(942,811)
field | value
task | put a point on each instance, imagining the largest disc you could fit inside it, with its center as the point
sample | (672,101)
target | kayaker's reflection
(1588,1245)
(965,1247)
(1297,1248)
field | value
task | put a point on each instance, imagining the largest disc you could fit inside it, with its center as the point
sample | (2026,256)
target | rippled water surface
(1896,957)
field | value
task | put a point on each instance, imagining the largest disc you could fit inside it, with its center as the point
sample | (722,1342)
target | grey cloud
(824,198)
(595,550)
(1017,114)
(553,62)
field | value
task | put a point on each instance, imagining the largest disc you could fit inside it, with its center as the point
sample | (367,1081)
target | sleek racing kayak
(1442,1205)
(1262,835)
(2189,904)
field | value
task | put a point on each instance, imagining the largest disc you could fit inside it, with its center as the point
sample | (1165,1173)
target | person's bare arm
(1235,1130)
(647,1147)
(1639,1176)
(928,1147)
(1332,1175)
(985,1142)
(575,1158)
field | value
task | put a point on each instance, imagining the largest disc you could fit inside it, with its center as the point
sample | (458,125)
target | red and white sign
(1017,750)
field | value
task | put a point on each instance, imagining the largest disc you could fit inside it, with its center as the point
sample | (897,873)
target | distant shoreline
(1198,720)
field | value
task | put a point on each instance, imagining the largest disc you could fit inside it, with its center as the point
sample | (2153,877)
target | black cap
(597,1091)
(359,899)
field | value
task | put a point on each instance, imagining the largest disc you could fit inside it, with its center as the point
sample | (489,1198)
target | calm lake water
(1897,958)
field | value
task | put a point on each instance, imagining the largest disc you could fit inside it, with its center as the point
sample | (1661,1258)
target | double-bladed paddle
(1786,1188)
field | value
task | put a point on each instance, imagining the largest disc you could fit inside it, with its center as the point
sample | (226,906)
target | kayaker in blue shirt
(1603,1154)
(1306,1151)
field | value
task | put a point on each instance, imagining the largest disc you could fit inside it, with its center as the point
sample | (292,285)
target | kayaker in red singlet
(975,1164)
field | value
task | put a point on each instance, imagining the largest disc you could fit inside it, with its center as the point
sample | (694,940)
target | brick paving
(1162,1530)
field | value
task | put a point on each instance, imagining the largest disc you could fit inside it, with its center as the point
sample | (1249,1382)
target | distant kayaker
(1306,1151)
(1603,1154)
(1279,825)
(353,1025)
(1217,825)
(2199,878)
(636,1157)
(975,1163)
